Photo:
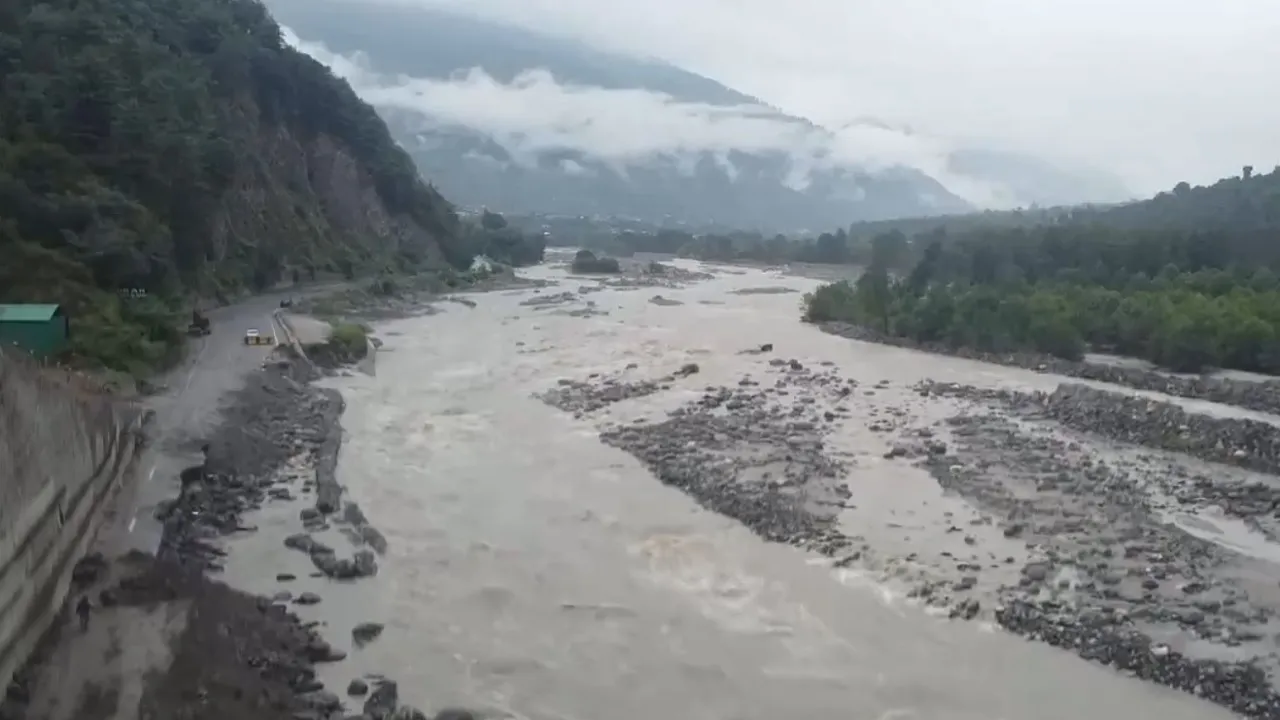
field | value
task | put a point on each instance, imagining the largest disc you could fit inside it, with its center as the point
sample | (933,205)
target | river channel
(537,573)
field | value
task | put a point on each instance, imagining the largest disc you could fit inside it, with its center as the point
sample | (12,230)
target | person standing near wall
(82,610)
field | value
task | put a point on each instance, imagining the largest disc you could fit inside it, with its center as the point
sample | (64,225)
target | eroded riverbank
(602,593)
(169,637)
(573,486)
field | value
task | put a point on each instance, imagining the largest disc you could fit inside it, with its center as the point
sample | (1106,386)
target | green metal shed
(41,330)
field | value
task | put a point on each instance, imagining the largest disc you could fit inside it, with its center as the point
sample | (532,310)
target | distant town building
(41,330)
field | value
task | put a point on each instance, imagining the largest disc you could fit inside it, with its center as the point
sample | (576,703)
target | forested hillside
(181,149)
(1187,280)
(1248,200)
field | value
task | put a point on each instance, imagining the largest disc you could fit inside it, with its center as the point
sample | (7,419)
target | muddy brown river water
(537,573)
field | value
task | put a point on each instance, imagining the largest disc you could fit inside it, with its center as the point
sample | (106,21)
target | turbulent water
(536,573)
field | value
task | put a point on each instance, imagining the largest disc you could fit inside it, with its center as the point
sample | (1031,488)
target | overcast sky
(1154,90)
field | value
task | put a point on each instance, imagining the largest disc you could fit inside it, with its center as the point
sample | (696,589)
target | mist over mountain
(502,117)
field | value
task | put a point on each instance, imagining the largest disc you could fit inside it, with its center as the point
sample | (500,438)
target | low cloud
(536,114)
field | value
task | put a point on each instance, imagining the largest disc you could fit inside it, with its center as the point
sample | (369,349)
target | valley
(447,368)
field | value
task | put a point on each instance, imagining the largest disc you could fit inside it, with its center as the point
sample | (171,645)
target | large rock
(382,702)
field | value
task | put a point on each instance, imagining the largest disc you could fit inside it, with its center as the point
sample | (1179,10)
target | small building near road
(41,330)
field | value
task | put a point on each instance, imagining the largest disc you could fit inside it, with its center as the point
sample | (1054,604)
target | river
(537,573)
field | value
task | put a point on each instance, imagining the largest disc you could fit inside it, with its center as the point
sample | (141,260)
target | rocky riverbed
(1260,396)
(1086,484)
(1113,579)
(1163,426)
(240,655)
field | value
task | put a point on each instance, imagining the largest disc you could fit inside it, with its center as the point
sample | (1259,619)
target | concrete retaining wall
(63,452)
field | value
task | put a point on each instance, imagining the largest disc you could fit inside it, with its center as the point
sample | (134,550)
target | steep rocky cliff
(309,202)
(182,149)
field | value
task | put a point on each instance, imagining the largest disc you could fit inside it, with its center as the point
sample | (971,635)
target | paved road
(188,411)
(125,645)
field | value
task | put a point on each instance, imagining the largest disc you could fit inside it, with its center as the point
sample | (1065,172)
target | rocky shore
(1112,578)
(1104,572)
(1162,426)
(243,656)
(1257,396)
(755,451)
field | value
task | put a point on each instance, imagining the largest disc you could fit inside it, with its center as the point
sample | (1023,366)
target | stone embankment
(63,454)
(1251,395)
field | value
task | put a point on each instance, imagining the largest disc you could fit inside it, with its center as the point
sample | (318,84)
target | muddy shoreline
(1098,569)
(239,655)
(1103,574)
(1259,396)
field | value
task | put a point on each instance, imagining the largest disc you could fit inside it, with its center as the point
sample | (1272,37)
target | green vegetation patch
(349,340)
(1186,298)
(585,261)
(150,150)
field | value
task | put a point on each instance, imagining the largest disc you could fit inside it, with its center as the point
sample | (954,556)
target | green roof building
(41,330)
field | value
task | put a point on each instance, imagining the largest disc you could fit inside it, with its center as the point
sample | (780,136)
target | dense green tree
(1194,288)
(492,221)
(494,238)
(126,129)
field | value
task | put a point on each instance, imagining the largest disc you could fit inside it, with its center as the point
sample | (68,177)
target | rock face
(323,188)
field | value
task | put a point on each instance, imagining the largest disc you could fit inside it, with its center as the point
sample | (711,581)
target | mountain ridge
(761,186)
(415,44)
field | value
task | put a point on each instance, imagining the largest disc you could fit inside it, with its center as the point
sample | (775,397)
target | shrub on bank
(348,343)
(349,340)
(835,302)
(586,261)
(997,320)
(385,286)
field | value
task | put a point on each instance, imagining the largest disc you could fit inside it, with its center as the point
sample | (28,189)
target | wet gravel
(754,452)
(1164,426)
(1111,576)
(1104,573)
(600,391)
(1260,396)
